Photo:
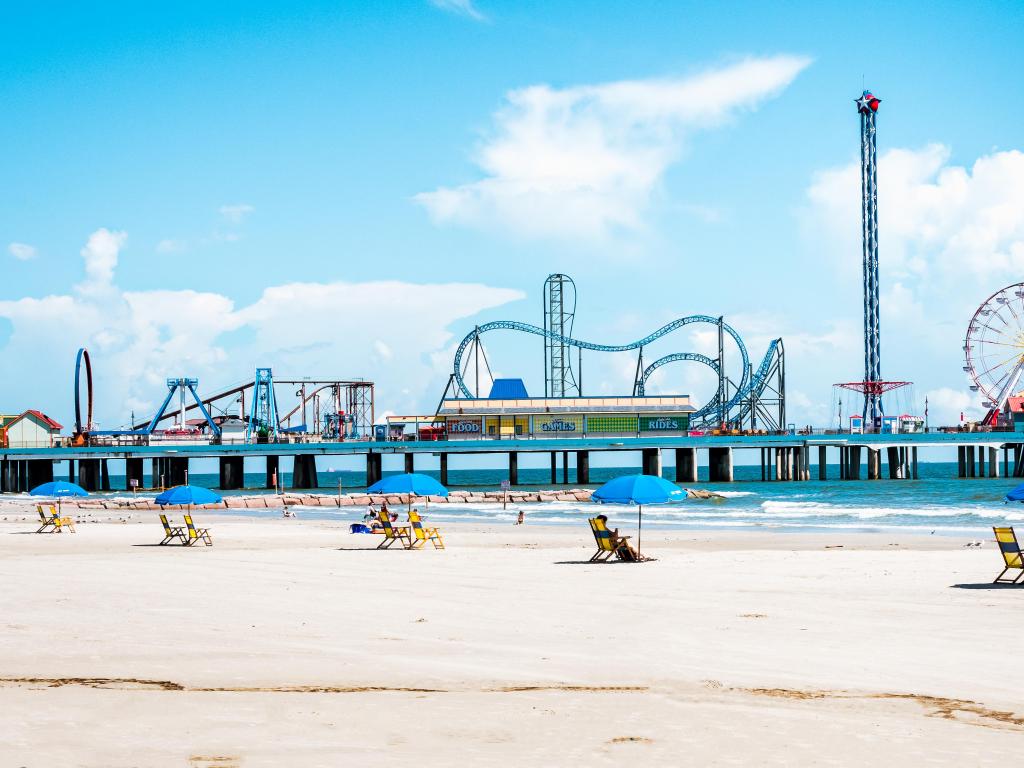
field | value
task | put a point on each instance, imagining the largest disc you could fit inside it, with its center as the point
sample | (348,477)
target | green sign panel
(678,422)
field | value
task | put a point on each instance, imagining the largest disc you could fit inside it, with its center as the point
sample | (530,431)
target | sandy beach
(292,642)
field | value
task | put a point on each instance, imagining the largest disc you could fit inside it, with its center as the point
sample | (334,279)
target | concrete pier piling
(273,472)
(89,474)
(133,470)
(993,462)
(410,462)
(686,465)
(554,468)
(232,473)
(582,467)
(651,462)
(444,469)
(822,463)
(513,468)
(373,469)
(720,465)
(565,467)
(304,471)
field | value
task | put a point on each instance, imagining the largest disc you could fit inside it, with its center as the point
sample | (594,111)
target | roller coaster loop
(83,354)
(513,325)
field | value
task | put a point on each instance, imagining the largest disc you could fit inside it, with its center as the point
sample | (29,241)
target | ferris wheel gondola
(994,348)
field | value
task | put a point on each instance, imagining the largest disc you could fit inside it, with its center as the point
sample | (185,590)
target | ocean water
(938,502)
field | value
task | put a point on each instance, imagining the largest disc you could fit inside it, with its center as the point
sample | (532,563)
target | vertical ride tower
(867,108)
(559,312)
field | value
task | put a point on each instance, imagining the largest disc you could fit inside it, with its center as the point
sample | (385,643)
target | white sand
(287,643)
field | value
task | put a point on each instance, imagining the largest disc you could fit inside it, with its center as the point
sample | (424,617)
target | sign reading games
(548,424)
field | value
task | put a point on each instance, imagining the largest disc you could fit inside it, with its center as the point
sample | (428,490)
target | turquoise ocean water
(938,502)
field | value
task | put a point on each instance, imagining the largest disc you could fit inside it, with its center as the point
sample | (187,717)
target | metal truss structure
(867,108)
(559,313)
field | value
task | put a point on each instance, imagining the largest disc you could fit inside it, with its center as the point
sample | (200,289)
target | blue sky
(344,189)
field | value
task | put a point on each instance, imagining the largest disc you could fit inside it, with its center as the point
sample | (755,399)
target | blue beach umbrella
(58,489)
(181,495)
(411,483)
(639,490)
(1017,494)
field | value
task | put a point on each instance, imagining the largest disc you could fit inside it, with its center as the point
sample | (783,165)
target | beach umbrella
(1017,494)
(180,495)
(58,489)
(411,483)
(639,490)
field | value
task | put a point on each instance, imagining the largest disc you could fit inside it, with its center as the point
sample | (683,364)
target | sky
(345,189)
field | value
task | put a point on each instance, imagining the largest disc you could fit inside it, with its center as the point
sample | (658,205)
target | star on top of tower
(867,103)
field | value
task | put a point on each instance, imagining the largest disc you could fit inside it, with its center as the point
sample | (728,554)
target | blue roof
(508,389)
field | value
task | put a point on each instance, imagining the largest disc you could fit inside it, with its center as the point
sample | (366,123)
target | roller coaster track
(512,325)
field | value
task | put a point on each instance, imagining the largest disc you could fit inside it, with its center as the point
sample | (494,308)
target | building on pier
(541,417)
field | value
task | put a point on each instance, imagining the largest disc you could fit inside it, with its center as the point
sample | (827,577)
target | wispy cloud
(460,7)
(139,337)
(582,162)
(22,251)
(236,213)
(170,245)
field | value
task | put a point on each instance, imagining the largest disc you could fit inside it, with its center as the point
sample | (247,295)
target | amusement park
(746,397)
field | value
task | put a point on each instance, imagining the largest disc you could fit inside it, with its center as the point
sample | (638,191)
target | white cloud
(949,236)
(170,246)
(22,251)
(139,338)
(100,255)
(460,7)
(235,213)
(584,161)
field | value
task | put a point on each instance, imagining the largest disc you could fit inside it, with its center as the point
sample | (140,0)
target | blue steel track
(747,385)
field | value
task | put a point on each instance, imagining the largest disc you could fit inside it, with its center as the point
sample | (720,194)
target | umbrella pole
(639,528)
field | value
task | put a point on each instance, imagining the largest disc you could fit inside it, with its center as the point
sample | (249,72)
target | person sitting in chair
(622,549)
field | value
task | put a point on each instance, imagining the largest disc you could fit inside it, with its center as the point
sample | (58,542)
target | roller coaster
(753,399)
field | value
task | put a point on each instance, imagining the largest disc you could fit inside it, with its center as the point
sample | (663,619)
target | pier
(782,458)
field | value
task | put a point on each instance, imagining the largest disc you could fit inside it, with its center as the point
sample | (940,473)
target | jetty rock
(697,493)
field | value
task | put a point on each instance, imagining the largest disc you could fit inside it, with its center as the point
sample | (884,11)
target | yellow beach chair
(607,544)
(171,533)
(53,520)
(421,535)
(48,516)
(1012,556)
(393,533)
(195,534)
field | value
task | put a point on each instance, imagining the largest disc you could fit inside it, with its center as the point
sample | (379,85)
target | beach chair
(194,534)
(421,535)
(393,533)
(52,522)
(48,518)
(607,543)
(1012,556)
(171,533)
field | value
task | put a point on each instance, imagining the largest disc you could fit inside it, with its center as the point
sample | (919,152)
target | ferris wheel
(994,347)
